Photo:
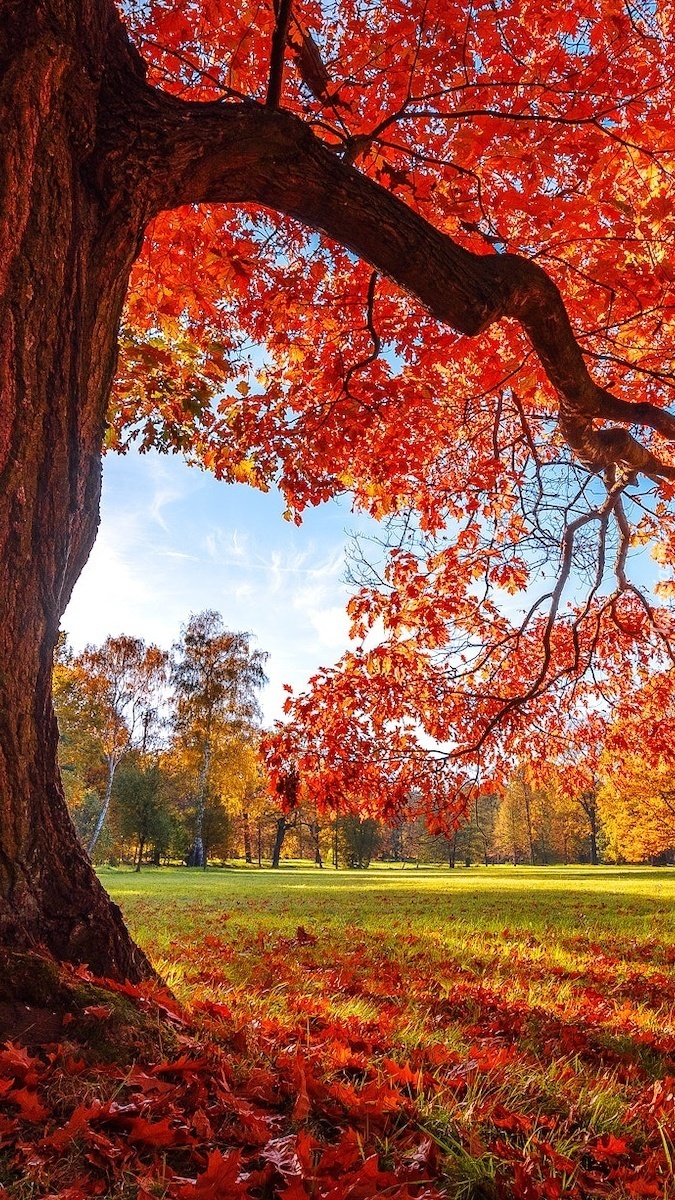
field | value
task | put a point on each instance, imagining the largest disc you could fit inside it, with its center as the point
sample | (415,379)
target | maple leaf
(401,1075)
(524,1186)
(302,1106)
(159,1133)
(644,1187)
(83,1192)
(8,1129)
(29,1104)
(514,1122)
(185,1065)
(609,1147)
(342,1156)
(78,1122)
(220,1179)
(282,1154)
(294,1189)
(561,1162)
(15,1061)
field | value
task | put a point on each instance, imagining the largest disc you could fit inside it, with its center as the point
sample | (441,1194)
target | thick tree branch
(279,39)
(245,153)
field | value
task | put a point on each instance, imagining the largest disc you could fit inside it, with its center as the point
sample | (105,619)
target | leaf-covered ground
(404,1034)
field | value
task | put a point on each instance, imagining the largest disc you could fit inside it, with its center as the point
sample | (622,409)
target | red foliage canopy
(516,446)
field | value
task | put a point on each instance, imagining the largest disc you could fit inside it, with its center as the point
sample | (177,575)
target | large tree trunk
(64,263)
(589,804)
(527,798)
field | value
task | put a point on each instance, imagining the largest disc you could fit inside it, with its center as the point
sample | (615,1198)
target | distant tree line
(160,759)
(628,815)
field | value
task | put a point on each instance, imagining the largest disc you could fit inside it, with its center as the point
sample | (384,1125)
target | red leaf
(281,1152)
(503,1118)
(644,1187)
(8,1128)
(294,1190)
(29,1105)
(524,1186)
(301,1108)
(336,1159)
(78,1122)
(15,1062)
(71,1193)
(158,1133)
(181,1066)
(401,1075)
(220,1179)
(609,1147)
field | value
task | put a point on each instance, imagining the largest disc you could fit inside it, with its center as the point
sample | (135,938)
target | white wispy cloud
(174,541)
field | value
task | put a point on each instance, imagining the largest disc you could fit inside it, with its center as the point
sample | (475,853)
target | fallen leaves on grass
(347,1075)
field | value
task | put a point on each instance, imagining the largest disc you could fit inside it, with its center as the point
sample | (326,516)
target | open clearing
(517,1026)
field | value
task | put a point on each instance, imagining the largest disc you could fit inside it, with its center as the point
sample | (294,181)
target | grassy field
(520,1022)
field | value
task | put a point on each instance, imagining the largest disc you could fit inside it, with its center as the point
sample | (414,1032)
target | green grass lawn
(537,1005)
(471,889)
(630,910)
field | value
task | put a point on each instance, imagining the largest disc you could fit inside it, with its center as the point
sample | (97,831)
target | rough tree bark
(66,247)
(197,855)
(89,153)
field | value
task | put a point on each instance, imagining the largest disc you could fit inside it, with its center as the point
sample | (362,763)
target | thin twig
(375,337)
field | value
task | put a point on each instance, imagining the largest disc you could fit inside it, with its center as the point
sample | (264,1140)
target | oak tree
(414,251)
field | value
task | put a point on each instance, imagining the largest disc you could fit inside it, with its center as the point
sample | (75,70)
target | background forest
(161,753)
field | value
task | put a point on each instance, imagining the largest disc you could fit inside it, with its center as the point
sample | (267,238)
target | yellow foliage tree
(637,805)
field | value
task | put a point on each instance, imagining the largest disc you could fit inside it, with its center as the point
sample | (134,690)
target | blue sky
(173,541)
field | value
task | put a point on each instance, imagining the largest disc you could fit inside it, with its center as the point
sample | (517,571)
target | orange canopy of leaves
(269,354)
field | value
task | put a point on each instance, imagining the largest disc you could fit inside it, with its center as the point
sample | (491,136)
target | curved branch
(246,153)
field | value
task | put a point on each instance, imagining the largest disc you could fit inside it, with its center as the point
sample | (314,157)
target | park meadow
(405,1032)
